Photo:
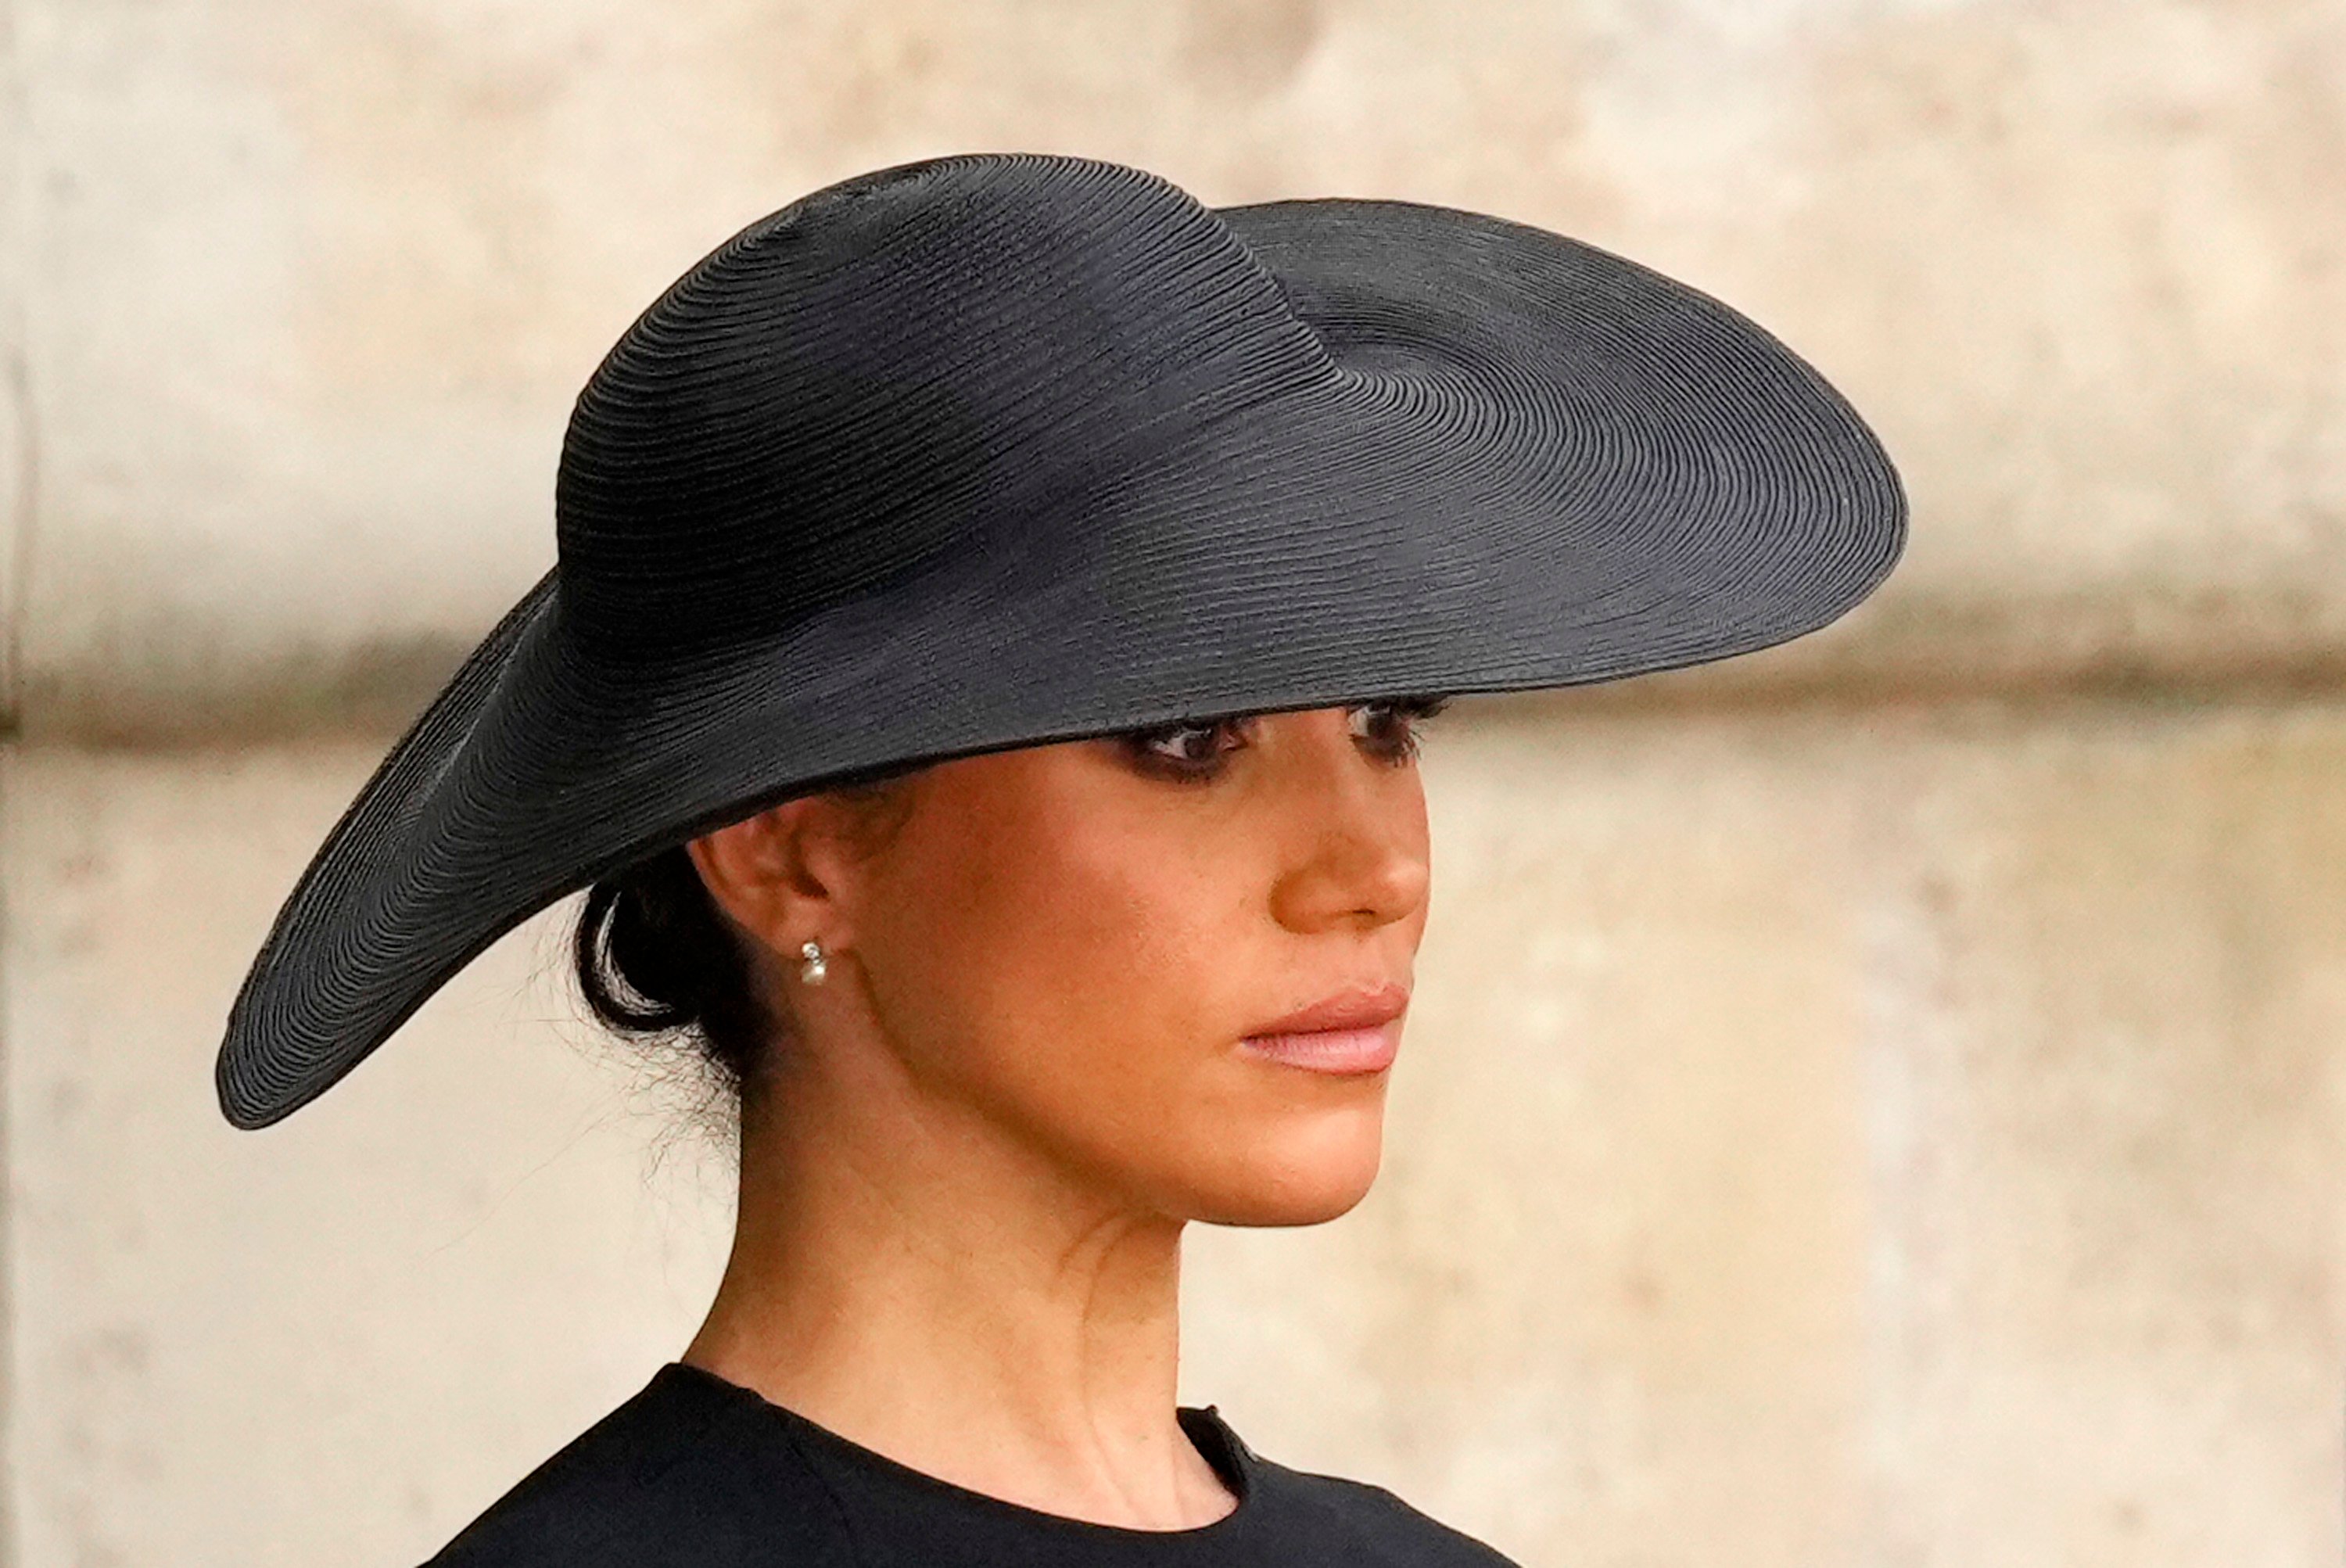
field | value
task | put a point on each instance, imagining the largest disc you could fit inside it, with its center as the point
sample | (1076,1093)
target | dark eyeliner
(1411,711)
(1157,765)
(1135,744)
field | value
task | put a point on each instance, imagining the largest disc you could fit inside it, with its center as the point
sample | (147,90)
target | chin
(1304,1174)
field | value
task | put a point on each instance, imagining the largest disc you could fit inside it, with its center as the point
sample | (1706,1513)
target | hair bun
(656,960)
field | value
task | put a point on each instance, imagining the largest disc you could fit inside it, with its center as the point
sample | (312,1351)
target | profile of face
(1069,952)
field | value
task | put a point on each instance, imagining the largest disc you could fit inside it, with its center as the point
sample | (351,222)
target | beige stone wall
(1873,1104)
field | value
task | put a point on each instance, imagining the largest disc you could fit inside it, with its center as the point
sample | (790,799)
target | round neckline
(1220,1447)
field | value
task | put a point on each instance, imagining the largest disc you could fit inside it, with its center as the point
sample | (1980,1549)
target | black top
(694,1471)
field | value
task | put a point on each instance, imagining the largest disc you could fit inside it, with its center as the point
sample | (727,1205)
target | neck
(909,1277)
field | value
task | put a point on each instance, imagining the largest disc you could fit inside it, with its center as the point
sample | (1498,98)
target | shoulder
(679,1475)
(1375,1528)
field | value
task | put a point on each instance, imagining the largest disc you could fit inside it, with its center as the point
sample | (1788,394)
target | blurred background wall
(1876,1103)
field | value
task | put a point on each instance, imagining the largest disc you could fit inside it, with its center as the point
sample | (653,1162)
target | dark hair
(658,963)
(656,960)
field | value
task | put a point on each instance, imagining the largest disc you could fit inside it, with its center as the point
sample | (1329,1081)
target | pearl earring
(814,968)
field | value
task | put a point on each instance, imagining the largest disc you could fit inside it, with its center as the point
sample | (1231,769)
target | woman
(996,598)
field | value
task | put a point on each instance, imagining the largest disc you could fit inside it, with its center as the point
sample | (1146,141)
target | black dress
(694,1471)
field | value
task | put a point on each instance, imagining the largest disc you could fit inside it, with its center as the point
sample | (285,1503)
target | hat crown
(891,368)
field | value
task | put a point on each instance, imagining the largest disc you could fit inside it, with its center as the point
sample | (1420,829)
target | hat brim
(1540,465)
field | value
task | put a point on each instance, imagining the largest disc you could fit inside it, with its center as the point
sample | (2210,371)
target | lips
(1352,1031)
(1362,1007)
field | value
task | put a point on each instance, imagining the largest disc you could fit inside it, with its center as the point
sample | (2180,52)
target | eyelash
(1416,711)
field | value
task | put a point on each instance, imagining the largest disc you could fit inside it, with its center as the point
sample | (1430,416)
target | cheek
(1059,965)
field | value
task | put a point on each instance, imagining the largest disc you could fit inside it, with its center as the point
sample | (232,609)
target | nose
(1358,826)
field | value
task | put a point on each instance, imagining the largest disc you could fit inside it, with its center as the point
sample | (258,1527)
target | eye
(1195,751)
(1390,725)
(1190,751)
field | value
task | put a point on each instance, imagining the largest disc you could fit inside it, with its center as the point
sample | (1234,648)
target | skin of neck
(1026,1320)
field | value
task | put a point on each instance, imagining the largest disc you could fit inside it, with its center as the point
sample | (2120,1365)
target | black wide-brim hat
(996,450)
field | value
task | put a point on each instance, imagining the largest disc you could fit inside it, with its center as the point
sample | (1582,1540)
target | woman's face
(1076,942)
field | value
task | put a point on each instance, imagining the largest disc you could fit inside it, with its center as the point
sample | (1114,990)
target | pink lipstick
(1353,1032)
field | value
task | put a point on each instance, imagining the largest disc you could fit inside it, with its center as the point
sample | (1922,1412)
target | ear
(776,874)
